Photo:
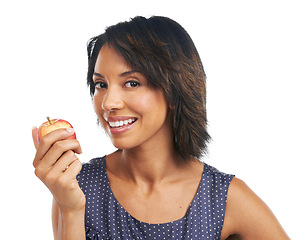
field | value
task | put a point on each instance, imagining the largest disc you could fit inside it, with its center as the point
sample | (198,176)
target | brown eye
(132,84)
(100,85)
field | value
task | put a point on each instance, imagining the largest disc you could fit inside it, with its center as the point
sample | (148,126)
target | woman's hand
(57,166)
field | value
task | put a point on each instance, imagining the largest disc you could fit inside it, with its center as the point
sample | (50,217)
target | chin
(123,146)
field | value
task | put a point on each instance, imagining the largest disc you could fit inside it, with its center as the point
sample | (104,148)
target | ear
(170,104)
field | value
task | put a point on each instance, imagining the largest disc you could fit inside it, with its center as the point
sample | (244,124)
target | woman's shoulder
(214,171)
(92,169)
(216,177)
(248,216)
(98,162)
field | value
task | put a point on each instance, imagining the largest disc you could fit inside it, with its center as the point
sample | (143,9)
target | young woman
(149,93)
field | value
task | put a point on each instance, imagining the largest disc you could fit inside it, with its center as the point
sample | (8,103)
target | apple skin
(52,125)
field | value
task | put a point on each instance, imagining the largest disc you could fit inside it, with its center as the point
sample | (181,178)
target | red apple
(51,125)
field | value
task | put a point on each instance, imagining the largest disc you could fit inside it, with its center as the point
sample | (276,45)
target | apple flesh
(51,125)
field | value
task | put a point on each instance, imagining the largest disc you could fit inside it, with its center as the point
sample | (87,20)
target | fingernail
(70,130)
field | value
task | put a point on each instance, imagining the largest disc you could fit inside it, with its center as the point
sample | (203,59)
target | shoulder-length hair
(164,53)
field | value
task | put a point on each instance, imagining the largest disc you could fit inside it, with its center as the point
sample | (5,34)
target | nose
(112,100)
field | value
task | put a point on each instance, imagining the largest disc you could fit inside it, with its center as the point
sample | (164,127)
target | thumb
(34,136)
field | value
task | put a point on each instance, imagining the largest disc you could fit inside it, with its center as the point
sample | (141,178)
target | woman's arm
(57,166)
(248,217)
(67,225)
(55,213)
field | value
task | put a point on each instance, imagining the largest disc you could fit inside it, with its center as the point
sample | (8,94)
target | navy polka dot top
(106,219)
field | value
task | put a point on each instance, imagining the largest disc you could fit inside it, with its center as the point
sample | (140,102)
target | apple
(51,125)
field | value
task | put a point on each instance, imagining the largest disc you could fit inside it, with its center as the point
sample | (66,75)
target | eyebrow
(121,75)
(128,73)
(98,75)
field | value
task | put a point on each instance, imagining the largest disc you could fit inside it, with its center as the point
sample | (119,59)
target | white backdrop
(248,51)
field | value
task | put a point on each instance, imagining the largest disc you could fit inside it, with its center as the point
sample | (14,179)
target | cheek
(97,105)
(153,104)
(140,103)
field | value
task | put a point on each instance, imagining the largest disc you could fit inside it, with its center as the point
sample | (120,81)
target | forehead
(110,60)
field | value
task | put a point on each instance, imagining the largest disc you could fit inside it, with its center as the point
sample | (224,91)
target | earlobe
(170,105)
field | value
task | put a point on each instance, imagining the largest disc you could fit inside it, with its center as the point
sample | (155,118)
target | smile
(118,124)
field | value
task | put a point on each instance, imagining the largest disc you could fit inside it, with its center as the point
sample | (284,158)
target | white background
(248,51)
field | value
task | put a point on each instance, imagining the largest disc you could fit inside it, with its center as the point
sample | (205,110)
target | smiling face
(131,112)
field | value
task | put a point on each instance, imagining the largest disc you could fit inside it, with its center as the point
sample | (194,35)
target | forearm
(71,226)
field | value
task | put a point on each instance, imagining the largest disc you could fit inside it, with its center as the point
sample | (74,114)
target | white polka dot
(105,218)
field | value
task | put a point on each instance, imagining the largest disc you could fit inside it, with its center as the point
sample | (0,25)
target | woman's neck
(147,167)
(150,162)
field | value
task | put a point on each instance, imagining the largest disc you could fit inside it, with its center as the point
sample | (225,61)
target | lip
(122,129)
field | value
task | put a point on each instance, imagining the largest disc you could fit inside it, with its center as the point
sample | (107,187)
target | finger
(34,136)
(57,150)
(64,161)
(73,169)
(48,140)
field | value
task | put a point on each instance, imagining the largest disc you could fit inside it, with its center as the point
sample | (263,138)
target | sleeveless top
(106,219)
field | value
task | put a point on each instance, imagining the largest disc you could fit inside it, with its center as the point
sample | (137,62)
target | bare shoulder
(247,216)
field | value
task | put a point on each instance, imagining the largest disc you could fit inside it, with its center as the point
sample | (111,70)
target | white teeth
(121,123)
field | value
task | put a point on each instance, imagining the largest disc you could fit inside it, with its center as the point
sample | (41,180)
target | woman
(149,93)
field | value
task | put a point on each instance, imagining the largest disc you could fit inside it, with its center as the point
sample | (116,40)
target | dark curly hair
(164,53)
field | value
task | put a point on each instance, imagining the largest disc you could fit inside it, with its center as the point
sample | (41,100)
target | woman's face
(131,112)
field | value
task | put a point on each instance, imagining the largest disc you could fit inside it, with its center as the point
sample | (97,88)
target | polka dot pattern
(106,219)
